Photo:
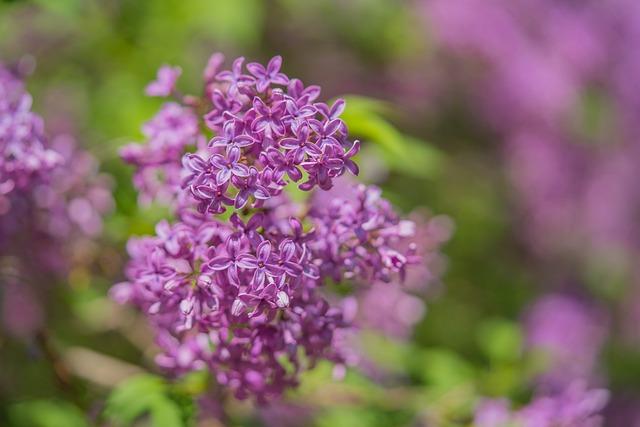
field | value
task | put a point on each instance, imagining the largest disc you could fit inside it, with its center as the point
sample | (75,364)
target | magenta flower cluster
(269,130)
(241,295)
(571,333)
(549,64)
(25,156)
(576,406)
(52,201)
(362,232)
(558,85)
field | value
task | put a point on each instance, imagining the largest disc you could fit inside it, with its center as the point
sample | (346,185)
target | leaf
(443,370)
(133,397)
(500,340)
(402,153)
(193,383)
(394,355)
(166,413)
(66,8)
(341,417)
(144,395)
(46,413)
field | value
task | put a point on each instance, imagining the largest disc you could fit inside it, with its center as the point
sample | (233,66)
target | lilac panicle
(542,62)
(269,129)
(570,332)
(52,200)
(25,155)
(242,295)
(575,406)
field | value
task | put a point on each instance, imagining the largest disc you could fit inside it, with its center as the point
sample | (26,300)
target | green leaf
(145,395)
(402,153)
(46,413)
(66,8)
(394,355)
(442,369)
(193,383)
(133,397)
(165,413)
(500,340)
(366,416)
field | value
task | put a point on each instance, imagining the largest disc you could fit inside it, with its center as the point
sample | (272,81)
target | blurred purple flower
(570,332)
(575,406)
(165,82)
(52,201)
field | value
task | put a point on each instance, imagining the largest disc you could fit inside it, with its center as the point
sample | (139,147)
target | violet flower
(269,75)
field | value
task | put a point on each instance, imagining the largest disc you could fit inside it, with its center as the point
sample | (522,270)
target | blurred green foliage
(46,413)
(151,396)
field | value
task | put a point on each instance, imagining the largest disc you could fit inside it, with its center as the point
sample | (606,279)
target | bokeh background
(514,123)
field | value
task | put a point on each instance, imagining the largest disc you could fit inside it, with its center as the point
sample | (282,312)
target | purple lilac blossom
(361,237)
(22,315)
(557,82)
(284,414)
(165,81)
(390,310)
(540,67)
(623,410)
(395,310)
(25,155)
(576,406)
(570,332)
(158,171)
(243,296)
(50,214)
(539,62)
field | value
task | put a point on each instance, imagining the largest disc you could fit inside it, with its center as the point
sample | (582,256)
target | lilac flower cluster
(570,332)
(362,234)
(576,406)
(269,130)
(157,176)
(217,294)
(558,83)
(25,156)
(242,295)
(54,206)
(369,240)
(53,221)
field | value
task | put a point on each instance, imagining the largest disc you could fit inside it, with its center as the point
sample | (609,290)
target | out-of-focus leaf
(442,369)
(364,416)
(46,413)
(500,340)
(235,21)
(66,8)
(354,384)
(394,356)
(144,395)
(133,397)
(402,153)
(347,417)
(594,119)
(238,20)
(194,383)
(165,413)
